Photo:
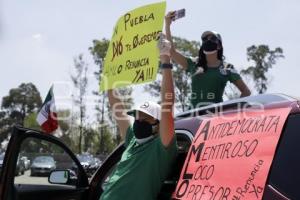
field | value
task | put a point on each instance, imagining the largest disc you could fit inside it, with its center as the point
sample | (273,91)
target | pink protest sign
(230,156)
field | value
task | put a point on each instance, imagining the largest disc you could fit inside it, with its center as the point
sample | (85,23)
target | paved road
(27,179)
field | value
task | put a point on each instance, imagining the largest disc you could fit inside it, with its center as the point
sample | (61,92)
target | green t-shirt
(141,171)
(208,87)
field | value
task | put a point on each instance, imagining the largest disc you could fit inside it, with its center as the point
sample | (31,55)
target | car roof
(267,100)
(43,157)
(190,119)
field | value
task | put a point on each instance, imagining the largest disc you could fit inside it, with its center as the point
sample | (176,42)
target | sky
(39,39)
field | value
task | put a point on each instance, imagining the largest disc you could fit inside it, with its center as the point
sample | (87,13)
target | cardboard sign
(132,56)
(231,155)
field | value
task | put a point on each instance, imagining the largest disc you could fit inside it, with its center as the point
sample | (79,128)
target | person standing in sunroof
(209,71)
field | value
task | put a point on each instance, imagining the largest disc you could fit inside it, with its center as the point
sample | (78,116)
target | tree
(30,122)
(264,58)
(109,142)
(5,129)
(181,77)
(98,51)
(22,101)
(105,120)
(64,120)
(67,134)
(125,95)
(80,82)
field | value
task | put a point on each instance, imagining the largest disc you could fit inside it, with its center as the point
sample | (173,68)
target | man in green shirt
(150,144)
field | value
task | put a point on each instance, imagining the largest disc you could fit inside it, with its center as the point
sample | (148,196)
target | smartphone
(179,14)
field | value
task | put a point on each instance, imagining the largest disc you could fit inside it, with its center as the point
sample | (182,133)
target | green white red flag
(47,116)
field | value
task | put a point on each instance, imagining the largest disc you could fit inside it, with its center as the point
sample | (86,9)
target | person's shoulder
(228,67)
(193,59)
(192,62)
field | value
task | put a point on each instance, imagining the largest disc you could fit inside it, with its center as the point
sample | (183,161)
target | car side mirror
(59,177)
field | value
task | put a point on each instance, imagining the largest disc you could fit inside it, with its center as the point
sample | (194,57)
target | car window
(285,175)
(184,140)
(38,158)
(89,162)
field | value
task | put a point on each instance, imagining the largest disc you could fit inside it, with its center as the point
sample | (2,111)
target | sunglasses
(212,38)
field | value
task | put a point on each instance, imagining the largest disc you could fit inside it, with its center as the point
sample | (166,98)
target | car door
(284,177)
(101,176)
(34,184)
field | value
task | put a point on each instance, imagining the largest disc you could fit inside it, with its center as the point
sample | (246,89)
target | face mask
(210,52)
(209,47)
(143,131)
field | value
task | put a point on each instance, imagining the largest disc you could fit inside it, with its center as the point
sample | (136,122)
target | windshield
(84,158)
(43,159)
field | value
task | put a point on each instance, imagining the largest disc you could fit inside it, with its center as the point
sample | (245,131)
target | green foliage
(35,145)
(18,108)
(92,141)
(108,141)
(5,126)
(5,121)
(98,50)
(105,119)
(22,101)
(65,124)
(64,120)
(186,47)
(30,122)
(264,58)
(80,82)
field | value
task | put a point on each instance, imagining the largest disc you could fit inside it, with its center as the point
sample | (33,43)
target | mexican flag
(47,116)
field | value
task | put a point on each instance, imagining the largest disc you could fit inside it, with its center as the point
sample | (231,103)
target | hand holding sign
(132,56)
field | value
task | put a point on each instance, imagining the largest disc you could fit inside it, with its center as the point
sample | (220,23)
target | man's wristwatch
(166,66)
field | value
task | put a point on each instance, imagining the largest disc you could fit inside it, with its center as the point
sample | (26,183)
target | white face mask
(144,140)
(210,52)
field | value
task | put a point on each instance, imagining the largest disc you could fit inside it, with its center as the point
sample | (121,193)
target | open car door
(54,172)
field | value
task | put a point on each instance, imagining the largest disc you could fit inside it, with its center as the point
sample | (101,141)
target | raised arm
(166,127)
(176,56)
(119,112)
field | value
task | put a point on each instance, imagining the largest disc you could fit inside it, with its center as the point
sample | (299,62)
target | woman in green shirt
(209,72)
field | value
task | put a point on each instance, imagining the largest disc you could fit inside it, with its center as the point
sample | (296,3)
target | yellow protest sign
(132,56)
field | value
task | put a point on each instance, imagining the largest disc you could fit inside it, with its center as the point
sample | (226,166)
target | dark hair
(202,58)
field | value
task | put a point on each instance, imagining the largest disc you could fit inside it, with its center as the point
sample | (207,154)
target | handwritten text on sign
(132,55)
(230,157)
